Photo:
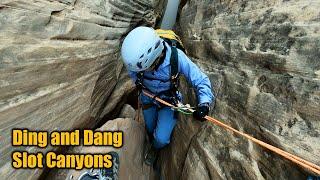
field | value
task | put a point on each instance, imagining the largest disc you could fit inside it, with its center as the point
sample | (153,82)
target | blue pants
(159,120)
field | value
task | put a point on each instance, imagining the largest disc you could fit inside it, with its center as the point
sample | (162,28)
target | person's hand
(201,111)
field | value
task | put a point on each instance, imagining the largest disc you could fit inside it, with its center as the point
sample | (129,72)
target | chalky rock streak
(59,63)
(170,14)
(263,60)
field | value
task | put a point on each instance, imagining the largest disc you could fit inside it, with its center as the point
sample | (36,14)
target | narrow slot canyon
(61,70)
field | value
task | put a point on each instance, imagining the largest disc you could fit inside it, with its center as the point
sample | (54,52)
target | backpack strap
(174,77)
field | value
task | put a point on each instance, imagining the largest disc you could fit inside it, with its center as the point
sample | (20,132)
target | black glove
(201,111)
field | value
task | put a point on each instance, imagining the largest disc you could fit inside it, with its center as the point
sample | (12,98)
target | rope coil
(304,163)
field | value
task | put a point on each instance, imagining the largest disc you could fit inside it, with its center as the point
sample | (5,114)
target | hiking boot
(151,155)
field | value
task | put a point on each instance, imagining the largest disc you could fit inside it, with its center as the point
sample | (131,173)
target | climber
(150,63)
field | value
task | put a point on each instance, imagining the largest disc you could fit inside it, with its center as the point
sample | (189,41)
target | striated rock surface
(127,112)
(59,63)
(60,70)
(131,154)
(263,60)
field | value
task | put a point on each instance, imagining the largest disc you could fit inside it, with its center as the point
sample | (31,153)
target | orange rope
(306,164)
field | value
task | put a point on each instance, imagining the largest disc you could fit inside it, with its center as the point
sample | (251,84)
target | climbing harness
(174,42)
(306,164)
(185,109)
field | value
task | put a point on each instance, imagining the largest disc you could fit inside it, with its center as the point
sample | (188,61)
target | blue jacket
(161,77)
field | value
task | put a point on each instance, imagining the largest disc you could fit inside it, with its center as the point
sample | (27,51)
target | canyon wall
(59,63)
(262,58)
(60,69)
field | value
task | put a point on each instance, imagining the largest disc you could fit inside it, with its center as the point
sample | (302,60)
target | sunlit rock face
(60,70)
(59,63)
(263,61)
(131,164)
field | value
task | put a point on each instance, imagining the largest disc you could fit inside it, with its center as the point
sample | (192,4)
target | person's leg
(165,124)
(149,113)
(150,119)
(150,116)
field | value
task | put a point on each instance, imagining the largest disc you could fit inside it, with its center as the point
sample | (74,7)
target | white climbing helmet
(140,48)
